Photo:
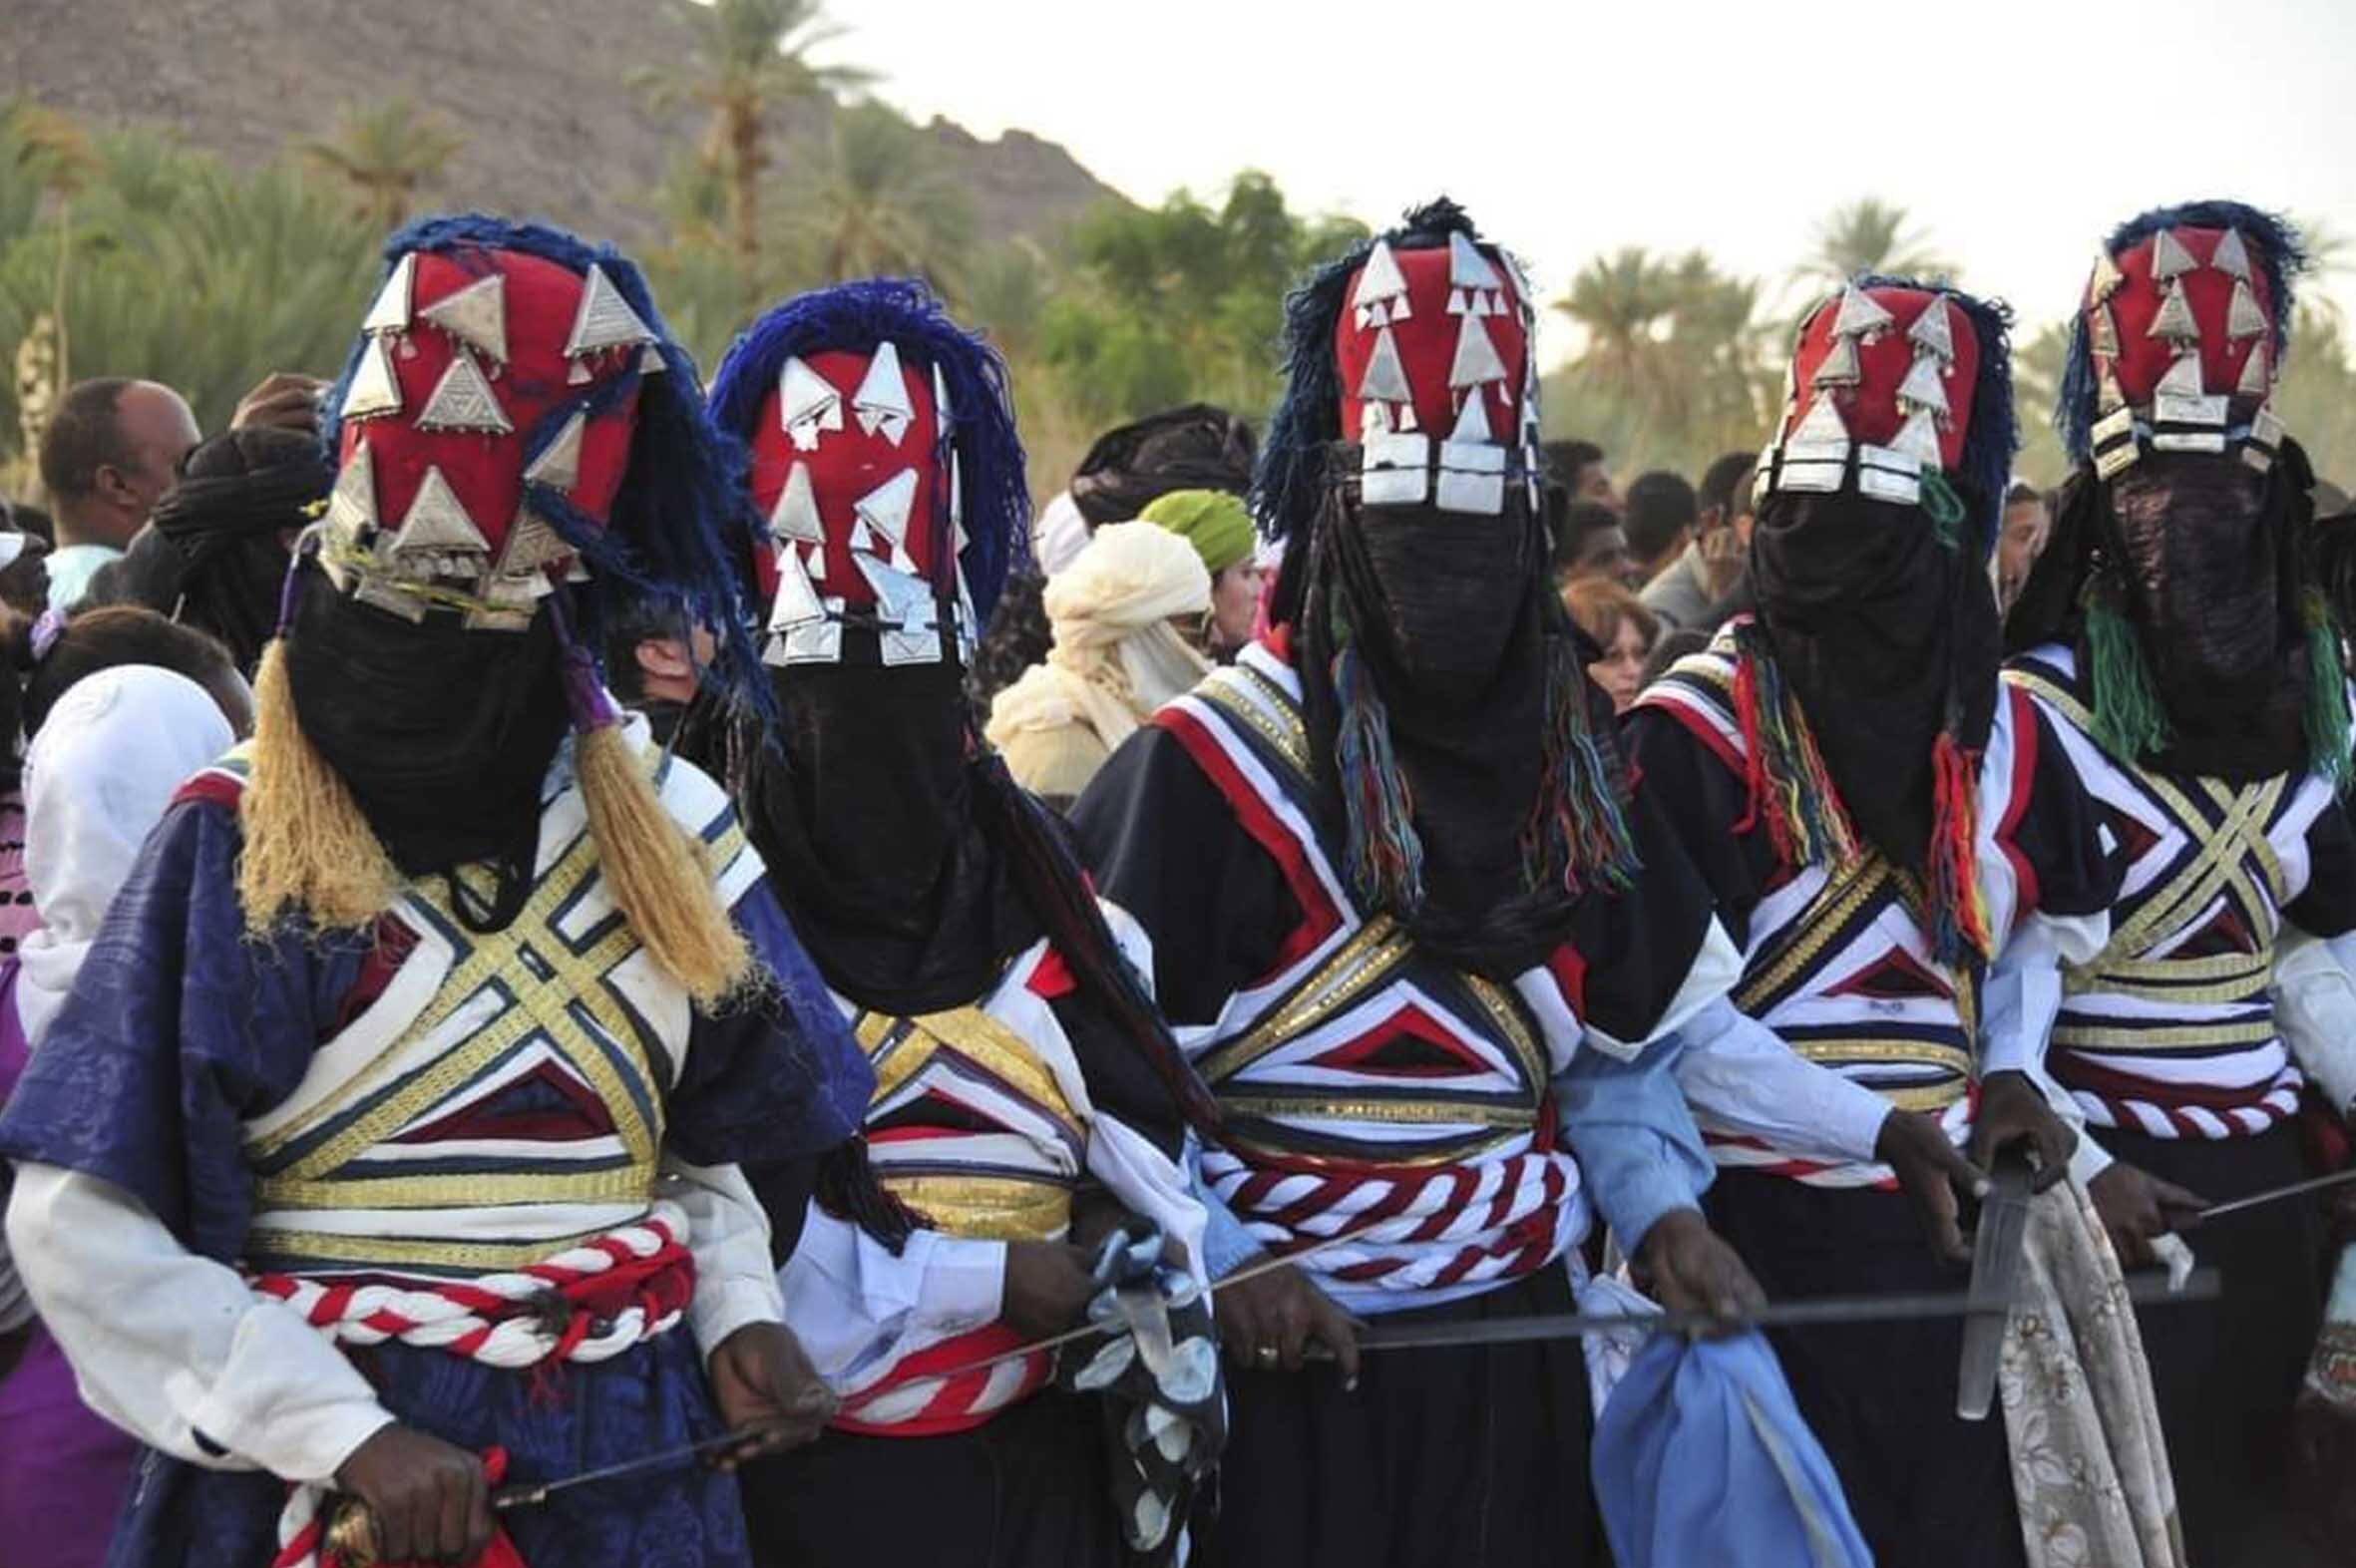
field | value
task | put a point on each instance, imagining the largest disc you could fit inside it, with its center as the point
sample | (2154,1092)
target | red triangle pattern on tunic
(2134,837)
(546,1106)
(1895,976)
(1409,1044)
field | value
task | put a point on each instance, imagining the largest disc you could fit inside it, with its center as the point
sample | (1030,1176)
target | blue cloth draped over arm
(1640,1153)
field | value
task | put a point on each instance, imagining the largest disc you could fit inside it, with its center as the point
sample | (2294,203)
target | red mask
(1887,373)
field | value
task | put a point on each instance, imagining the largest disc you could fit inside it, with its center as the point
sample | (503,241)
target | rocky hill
(539,87)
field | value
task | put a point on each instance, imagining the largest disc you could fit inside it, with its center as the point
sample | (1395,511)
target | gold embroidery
(626,1184)
(2180,1037)
(394,1250)
(1373,951)
(1846,890)
(1456,1151)
(1504,1009)
(1400,1112)
(1896,1052)
(985,1208)
(899,1049)
(1282,729)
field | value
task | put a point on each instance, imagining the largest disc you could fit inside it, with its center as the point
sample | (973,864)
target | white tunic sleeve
(173,1348)
(859,1311)
(1739,1076)
(729,1236)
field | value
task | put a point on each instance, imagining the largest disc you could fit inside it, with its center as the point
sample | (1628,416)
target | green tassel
(2328,697)
(1944,508)
(2130,721)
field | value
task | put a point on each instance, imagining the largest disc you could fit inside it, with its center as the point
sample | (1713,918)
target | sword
(2276,1194)
(1808,1313)
(534,1493)
(1995,1282)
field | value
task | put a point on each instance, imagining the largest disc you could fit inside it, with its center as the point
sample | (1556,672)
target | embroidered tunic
(2168,1030)
(420,1105)
(1368,1087)
(1836,960)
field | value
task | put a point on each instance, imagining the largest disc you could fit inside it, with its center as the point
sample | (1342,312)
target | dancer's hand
(1688,1267)
(766,1387)
(427,1500)
(1269,1320)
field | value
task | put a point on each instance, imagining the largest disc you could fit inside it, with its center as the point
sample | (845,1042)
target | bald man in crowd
(108,454)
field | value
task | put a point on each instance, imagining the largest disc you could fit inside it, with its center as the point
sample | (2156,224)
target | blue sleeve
(1227,1245)
(774,1077)
(179,1030)
(1639,1151)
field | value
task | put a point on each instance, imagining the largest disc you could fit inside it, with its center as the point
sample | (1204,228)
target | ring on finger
(1266,1355)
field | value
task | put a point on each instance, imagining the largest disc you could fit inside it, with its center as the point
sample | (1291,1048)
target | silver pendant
(2184,377)
(1824,424)
(880,402)
(375,392)
(1467,267)
(559,464)
(2257,378)
(463,400)
(390,313)
(1387,374)
(1860,314)
(2243,318)
(351,506)
(1380,279)
(807,404)
(436,531)
(605,320)
(1932,331)
(2102,330)
(797,600)
(1472,423)
(2106,279)
(2176,320)
(1924,387)
(1840,368)
(1918,438)
(2170,260)
(1476,360)
(795,516)
(476,315)
(884,508)
(2232,256)
(533,546)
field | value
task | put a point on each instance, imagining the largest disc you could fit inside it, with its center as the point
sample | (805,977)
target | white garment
(1060,534)
(70,566)
(96,780)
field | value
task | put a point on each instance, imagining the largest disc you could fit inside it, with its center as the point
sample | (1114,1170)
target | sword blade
(2295,1189)
(1814,1311)
(530,1496)
(1996,1272)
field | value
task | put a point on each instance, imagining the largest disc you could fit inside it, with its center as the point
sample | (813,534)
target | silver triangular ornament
(886,508)
(2175,320)
(880,402)
(605,320)
(2255,380)
(650,361)
(375,391)
(390,313)
(1459,304)
(1918,438)
(2107,396)
(1472,423)
(463,400)
(795,516)
(1840,368)
(797,600)
(1387,373)
(1467,267)
(1380,278)
(1923,387)
(2107,278)
(2232,256)
(807,403)
(438,522)
(2183,378)
(1860,313)
(351,506)
(2170,258)
(476,315)
(1933,331)
(1476,358)
(531,546)
(1374,419)
(2243,318)
(559,464)
(1822,425)
(2102,333)
(1402,308)
(945,414)
(1406,417)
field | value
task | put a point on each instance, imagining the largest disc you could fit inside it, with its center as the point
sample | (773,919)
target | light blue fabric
(1227,1245)
(1701,1456)
(70,570)
(1640,1154)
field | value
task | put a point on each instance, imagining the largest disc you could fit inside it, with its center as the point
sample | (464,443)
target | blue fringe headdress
(1575,831)
(681,527)
(855,317)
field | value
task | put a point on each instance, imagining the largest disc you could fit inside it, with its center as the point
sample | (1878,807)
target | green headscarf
(1214,521)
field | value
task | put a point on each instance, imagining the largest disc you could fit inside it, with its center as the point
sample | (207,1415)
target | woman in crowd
(1621,628)
(1219,527)
(1118,654)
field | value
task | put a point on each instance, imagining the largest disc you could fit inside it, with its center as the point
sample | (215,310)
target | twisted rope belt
(587,1304)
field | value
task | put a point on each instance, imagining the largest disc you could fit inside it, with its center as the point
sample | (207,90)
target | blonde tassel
(308,849)
(656,874)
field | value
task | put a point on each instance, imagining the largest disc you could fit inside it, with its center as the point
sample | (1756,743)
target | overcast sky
(2015,131)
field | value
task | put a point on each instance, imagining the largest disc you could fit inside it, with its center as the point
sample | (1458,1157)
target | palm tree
(390,153)
(878,203)
(743,57)
(1869,236)
(1622,302)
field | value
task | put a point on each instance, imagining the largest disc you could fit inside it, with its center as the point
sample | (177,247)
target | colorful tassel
(1575,826)
(1958,907)
(1786,780)
(2130,720)
(2327,696)
(1944,508)
(1385,854)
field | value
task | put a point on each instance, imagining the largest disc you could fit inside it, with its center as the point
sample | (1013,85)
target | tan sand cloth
(2090,1467)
